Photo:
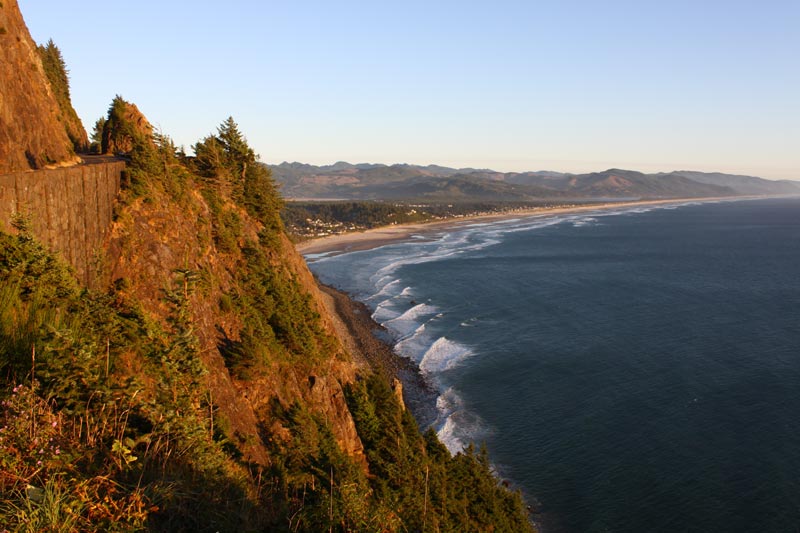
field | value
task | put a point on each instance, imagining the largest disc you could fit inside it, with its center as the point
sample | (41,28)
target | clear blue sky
(562,85)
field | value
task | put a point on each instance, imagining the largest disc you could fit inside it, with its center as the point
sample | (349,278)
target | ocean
(631,369)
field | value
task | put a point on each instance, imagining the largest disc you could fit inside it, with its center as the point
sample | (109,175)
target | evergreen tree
(55,69)
(232,165)
(240,155)
(97,136)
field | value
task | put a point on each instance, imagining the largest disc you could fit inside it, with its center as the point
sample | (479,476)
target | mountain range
(367,181)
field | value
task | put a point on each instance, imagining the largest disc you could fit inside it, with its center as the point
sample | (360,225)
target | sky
(572,86)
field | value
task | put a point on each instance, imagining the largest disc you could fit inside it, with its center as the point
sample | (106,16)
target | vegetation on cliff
(124,130)
(204,389)
(55,68)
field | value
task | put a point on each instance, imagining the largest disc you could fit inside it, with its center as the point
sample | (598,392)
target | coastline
(370,344)
(361,335)
(376,237)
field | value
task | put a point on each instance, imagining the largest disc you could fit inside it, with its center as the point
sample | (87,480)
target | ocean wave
(527,225)
(415,345)
(456,426)
(408,322)
(418,311)
(317,256)
(578,222)
(443,355)
(380,280)
(447,404)
(448,435)
(384,312)
(387,290)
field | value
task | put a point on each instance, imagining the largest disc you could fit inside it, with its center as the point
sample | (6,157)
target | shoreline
(361,335)
(371,347)
(376,237)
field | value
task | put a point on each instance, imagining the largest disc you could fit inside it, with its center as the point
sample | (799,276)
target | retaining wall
(70,209)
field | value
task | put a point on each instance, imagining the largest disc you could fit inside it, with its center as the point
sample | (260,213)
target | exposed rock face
(397,388)
(31,135)
(327,393)
(151,240)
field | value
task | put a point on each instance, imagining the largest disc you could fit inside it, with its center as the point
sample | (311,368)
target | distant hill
(624,183)
(459,187)
(364,180)
(404,181)
(743,184)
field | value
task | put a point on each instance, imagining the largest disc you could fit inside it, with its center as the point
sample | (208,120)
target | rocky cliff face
(153,239)
(31,135)
(171,228)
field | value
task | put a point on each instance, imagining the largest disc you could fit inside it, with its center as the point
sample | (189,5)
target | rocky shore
(370,345)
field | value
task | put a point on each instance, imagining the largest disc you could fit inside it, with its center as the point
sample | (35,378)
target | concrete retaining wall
(70,209)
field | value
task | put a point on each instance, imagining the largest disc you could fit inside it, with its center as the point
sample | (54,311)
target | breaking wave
(444,355)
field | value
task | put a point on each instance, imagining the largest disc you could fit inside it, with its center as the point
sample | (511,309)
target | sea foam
(415,345)
(409,321)
(456,426)
(443,355)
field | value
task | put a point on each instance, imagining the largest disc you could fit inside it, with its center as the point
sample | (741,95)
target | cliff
(204,387)
(198,384)
(153,238)
(31,132)
(124,128)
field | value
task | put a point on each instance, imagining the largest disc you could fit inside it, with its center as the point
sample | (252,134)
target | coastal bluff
(69,209)
(33,130)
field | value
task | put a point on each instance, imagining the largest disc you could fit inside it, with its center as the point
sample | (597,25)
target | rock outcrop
(126,126)
(31,134)
(397,389)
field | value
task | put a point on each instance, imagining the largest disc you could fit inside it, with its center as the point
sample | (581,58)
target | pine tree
(228,161)
(56,69)
(97,136)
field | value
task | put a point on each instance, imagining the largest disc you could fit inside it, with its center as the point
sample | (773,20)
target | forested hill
(435,183)
(201,386)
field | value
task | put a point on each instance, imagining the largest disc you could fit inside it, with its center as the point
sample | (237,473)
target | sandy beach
(365,240)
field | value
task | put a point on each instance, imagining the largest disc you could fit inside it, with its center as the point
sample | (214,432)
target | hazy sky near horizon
(563,85)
